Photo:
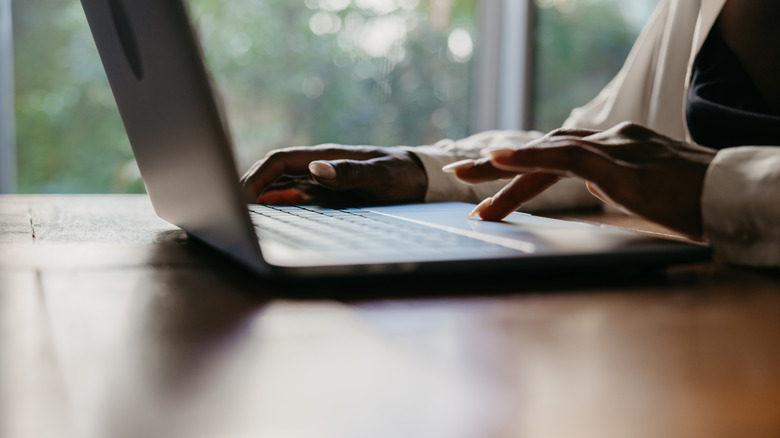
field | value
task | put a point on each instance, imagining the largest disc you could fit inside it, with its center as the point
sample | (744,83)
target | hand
(520,190)
(651,175)
(335,174)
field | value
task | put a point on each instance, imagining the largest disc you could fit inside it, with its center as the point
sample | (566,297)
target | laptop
(169,107)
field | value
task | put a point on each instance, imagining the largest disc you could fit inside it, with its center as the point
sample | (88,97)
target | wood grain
(114,324)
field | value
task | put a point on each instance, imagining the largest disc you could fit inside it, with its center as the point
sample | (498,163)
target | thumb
(341,174)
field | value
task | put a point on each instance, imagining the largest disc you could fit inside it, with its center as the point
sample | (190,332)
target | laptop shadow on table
(504,280)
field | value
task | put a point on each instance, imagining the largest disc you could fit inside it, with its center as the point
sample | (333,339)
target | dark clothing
(724,107)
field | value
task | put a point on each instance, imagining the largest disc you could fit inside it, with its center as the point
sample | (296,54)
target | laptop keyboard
(324,229)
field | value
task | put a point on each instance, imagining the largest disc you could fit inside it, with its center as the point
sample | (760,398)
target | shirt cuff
(445,186)
(441,186)
(741,206)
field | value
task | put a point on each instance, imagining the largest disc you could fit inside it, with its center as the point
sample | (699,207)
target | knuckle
(558,132)
(627,125)
(327,147)
(571,132)
(567,132)
(281,153)
(275,154)
(563,148)
(630,129)
(349,171)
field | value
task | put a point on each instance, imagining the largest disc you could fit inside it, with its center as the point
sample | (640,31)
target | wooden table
(114,324)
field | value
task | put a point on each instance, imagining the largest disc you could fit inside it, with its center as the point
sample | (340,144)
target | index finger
(295,162)
(479,171)
(521,190)
(565,157)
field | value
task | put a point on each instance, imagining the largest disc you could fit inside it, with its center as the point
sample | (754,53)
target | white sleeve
(741,205)
(566,194)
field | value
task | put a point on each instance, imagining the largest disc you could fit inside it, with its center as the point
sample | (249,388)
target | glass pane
(69,135)
(301,72)
(383,72)
(579,46)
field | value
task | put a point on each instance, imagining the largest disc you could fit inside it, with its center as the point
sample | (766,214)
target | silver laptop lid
(177,131)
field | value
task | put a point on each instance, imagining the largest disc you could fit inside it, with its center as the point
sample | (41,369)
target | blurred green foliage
(301,72)
(69,135)
(320,71)
(579,46)
(290,73)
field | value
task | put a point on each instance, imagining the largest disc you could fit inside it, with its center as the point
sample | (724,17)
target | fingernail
(322,169)
(482,205)
(497,152)
(458,165)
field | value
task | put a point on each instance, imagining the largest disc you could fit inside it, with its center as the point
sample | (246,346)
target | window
(579,46)
(383,72)
(303,72)
(7,135)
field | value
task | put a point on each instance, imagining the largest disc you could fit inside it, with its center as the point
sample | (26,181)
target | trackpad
(539,235)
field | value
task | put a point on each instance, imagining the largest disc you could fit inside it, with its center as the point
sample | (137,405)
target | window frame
(7,118)
(503,68)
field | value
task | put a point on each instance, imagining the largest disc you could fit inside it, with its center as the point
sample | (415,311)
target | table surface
(114,324)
